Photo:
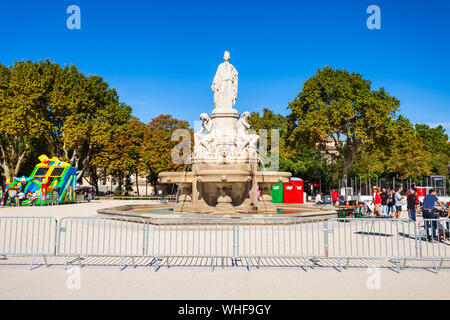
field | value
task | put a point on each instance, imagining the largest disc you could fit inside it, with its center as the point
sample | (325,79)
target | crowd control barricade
(435,245)
(101,236)
(372,238)
(184,237)
(28,236)
(280,237)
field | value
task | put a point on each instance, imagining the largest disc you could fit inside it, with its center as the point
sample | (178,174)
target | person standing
(390,202)
(90,195)
(334,197)
(376,200)
(398,201)
(384,202)
(411,204)
(428,213)
(5,198)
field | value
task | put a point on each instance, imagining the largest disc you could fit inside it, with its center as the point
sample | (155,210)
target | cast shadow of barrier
(379,234)
(351,264)
(250,264)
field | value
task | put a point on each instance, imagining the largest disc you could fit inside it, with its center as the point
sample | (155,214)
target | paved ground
(201,284)
(101,279)
(70,210)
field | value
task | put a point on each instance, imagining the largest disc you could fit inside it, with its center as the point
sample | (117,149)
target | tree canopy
(341,106)
(57,110)
(68,114)
(157,146)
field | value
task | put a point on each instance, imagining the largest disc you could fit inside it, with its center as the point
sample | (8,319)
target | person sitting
(12,197)
(319,198)
(443,226)
(21,197)
(34,197)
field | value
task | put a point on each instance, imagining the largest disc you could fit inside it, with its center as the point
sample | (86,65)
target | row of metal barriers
(248,239)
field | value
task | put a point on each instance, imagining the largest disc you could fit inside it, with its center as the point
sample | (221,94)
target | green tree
(268,121)
(307,163)
(21,90)
(435,141)
(120,156)
(369,163)
(156,152)
(46,108)
(338,105)
(404,153)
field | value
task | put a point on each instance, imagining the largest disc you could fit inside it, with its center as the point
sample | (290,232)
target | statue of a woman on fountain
(225,86)
(244,139)
(204,137)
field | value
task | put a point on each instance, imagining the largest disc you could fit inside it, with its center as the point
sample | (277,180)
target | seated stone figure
(243,139)
(203,139)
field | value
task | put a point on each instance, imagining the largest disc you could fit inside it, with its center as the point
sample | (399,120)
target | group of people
(390,203)
(393,201)
(14,197)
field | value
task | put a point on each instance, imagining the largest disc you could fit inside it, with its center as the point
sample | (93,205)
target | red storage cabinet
(293,192)
(420,191)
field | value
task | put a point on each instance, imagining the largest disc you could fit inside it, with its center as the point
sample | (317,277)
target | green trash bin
(277,193)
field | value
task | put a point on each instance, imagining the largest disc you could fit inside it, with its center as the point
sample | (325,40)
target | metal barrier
(281,237)
(25,236)
(212,238)
(252,238)
(101,236)
(372,238)
(433,243)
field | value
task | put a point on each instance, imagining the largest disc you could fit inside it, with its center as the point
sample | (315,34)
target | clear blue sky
(161,56)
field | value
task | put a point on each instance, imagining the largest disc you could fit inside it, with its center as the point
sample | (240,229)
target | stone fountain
(225,177)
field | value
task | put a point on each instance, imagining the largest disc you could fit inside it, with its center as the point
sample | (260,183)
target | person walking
(411,204)
(428,213)
(398,201)
(384,202)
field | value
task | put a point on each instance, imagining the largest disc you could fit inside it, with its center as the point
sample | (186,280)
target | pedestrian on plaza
(384,202)
(376,200)
(335,197)
(412,203)
(398,201)
(390,202)
(5,198)
(89,195)
(428,213)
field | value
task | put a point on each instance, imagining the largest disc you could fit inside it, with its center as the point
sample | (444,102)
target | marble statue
(225,85)
(204,137)
(243,138)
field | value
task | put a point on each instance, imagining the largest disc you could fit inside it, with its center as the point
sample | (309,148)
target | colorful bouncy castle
(51,182)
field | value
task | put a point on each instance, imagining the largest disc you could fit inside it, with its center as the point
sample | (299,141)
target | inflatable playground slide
(51,182)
